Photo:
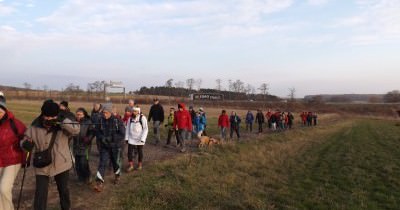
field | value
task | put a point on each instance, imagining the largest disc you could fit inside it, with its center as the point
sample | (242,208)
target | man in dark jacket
(82,144)
(235,120)
(249,121)
(110,132)
(157,114)
(260,120)
(65,112)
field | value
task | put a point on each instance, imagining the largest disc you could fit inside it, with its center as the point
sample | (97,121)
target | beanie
(50,108)
(107,107)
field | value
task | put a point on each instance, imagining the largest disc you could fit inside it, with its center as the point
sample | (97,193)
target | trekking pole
(23,180)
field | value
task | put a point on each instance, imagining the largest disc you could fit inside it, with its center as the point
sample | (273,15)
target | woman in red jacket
(223,123)
(11,155)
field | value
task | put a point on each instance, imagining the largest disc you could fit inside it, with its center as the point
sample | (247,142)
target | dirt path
(83,196)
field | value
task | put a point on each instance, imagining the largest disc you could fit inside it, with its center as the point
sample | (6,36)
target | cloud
(5,10)
(376,22)
(317,2)
(115,16)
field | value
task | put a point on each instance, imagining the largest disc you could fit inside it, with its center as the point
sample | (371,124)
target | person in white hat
(135,136)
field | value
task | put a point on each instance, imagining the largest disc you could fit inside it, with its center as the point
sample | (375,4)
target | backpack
(140,120)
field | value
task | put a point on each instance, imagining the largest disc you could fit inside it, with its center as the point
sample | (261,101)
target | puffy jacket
(223,121)
(136,132)
(156,113)
(183,120)
(200,123)
(10,151)
(62,160)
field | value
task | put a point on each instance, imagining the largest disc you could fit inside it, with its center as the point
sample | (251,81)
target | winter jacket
(200,123)
(61,155)
(223,121)
(156,113)
(235,121)
(170,121)
(96,116)
(260,117)
(183,120)
(110,132)
(249,118)
(136,132)
(10,151)
(83,140)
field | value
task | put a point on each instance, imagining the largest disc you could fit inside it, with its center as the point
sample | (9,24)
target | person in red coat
(223,124)
(183,124)
(11,155)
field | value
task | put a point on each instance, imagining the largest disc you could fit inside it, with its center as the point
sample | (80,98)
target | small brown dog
(207,141)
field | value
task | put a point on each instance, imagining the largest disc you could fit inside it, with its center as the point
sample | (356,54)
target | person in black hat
(38,136)
(157,114)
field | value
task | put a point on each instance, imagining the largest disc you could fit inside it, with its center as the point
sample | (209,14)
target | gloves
(27,145)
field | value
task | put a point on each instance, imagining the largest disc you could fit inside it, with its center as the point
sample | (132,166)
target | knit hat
(2,101)
(50,108)
(107,107)
(64,103)
(136,109)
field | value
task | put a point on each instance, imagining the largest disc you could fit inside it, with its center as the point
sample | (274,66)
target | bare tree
(190,83)
(169,83)
(292,94)
(248,89)
(238,86)
(230,85)
(264,87)
(219,82)
(198,83)
(27,86)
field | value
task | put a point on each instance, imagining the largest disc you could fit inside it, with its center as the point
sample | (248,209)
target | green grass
(349,165)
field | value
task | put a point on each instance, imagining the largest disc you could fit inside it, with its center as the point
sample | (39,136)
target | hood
(182,105)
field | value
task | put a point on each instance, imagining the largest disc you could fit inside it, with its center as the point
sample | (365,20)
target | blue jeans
(107,154)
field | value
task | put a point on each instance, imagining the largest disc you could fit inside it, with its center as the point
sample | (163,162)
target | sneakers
(99,187)
(130,169)
(139,167)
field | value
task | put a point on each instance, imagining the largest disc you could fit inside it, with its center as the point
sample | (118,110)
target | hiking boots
(99,187)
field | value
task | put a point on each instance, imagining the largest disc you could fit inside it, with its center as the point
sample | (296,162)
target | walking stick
(23,180)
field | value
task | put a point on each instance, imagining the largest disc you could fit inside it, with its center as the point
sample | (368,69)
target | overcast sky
(315,46)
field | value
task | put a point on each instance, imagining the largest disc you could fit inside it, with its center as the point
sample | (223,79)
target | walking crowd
(59,140)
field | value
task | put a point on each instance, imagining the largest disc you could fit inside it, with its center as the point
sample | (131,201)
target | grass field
(344,163)
(354,164)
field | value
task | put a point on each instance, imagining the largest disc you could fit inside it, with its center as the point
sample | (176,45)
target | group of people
(66,139)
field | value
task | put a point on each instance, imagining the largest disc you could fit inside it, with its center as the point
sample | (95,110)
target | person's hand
(27,145)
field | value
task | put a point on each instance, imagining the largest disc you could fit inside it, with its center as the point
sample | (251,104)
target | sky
(314,46)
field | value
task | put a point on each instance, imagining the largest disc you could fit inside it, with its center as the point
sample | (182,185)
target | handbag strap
(53,139)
